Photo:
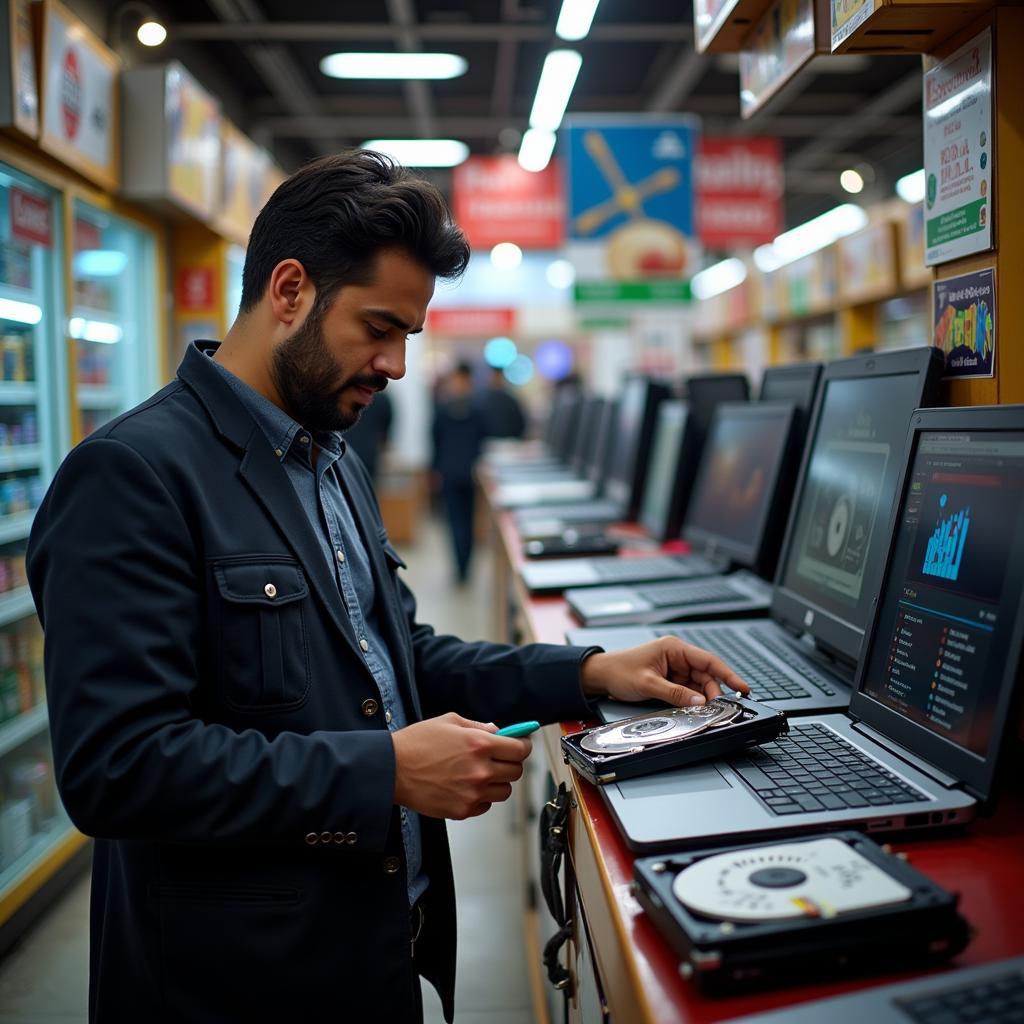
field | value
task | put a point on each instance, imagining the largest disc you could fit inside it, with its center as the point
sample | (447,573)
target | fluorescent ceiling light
(910,188)
(719,278)
(560,274)
(574,18)
(506,256)
(852,181)
(20,312)
(811,236)
(557,78)
(393,65)
(536,148)
(94,330)
(99,263)
(151,33)
(421,152)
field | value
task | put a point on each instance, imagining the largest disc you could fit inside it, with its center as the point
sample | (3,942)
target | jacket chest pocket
(262,647)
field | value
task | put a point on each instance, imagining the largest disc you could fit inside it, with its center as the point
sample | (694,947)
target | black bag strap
(553,842)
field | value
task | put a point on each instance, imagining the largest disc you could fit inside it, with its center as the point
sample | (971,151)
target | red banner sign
(739,191)
(466,322)
(494,200)
(31,219)
(195,289)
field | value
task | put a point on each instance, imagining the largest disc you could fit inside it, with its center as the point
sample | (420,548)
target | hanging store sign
(739,191)
(19,95)
(630,184)
(80,96)
(781,43)
(964,323)
(494,200)
(958,153)
(193,153)
(468,322)
(847,17)
(244,177)
(195,290)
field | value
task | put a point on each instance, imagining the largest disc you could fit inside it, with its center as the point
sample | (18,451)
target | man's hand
(450,767)
(666,669)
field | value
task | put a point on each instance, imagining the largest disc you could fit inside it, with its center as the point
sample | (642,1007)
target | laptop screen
(662,466)
(626,437)
(795,384)
(839,531)
(953,586)
(744,450)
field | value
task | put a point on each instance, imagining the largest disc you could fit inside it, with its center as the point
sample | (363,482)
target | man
(503,415)
(244,710)
(458,435)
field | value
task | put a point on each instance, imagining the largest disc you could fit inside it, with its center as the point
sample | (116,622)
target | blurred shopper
(502,414)
(459,431)
(244,710)
(370,433)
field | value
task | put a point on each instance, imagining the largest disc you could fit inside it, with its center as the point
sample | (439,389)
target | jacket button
(369,707)
(325,837)
(351,839)
(339,837)
(312,839)
(391,865)
(270,590)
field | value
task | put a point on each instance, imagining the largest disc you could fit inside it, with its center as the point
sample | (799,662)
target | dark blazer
(216,728)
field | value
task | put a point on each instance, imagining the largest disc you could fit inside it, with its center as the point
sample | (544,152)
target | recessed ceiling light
(421,152)
(852,181)
(151,33)
(506,256)
(393,65)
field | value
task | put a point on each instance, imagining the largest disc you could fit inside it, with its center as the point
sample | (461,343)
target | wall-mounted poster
(19,93)
(964,323)
(959,153)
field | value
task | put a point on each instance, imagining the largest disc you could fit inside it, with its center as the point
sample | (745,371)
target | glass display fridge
(113,322)
(36,836)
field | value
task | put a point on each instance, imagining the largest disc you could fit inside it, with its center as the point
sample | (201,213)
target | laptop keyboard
(998,1001)
(769,680)
(690,592)
(621,569)
(816,769)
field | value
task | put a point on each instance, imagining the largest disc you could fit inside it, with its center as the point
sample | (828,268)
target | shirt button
(364,645)
(387,717)
(369,707)
(340,554)
(391,865)
(304,439)
(278,452)
(270,590)
(312,839)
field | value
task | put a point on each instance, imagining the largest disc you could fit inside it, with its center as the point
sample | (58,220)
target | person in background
(458,433)
(369,434)
(245,710)
(503,415)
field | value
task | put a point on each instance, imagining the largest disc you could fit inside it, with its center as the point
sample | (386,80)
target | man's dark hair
(463,369)
(335,214)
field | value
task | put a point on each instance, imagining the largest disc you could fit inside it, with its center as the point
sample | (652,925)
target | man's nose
(391,361)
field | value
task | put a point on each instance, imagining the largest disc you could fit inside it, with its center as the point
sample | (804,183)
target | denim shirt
(324,503)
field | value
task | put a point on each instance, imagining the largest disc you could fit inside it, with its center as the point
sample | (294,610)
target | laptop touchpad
(688,780)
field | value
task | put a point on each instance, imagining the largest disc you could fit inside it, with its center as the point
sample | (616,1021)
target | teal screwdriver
(518,730)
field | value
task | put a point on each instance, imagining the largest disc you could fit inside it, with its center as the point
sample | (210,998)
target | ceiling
(638,57)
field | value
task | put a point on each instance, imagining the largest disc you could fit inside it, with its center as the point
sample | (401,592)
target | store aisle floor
(44,980)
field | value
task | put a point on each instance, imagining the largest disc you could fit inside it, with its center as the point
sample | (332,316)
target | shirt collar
(280,429)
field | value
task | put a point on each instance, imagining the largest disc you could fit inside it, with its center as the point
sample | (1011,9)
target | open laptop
(990,993)
(628,446)
(921,743)
(557,439)
(735,519)
(804,656)
(797,383)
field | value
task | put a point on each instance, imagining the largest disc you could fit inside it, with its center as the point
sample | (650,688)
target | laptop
(735,519)
(987,994)
(922,741)
(556,439)
(628,446)
(798,384)
(804,656)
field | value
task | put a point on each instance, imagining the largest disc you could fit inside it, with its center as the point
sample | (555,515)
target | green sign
(603,292)
(964,220)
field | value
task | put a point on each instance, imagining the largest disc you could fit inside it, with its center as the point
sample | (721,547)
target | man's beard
(309,381)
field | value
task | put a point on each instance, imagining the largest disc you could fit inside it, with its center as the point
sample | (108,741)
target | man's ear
(287,290)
